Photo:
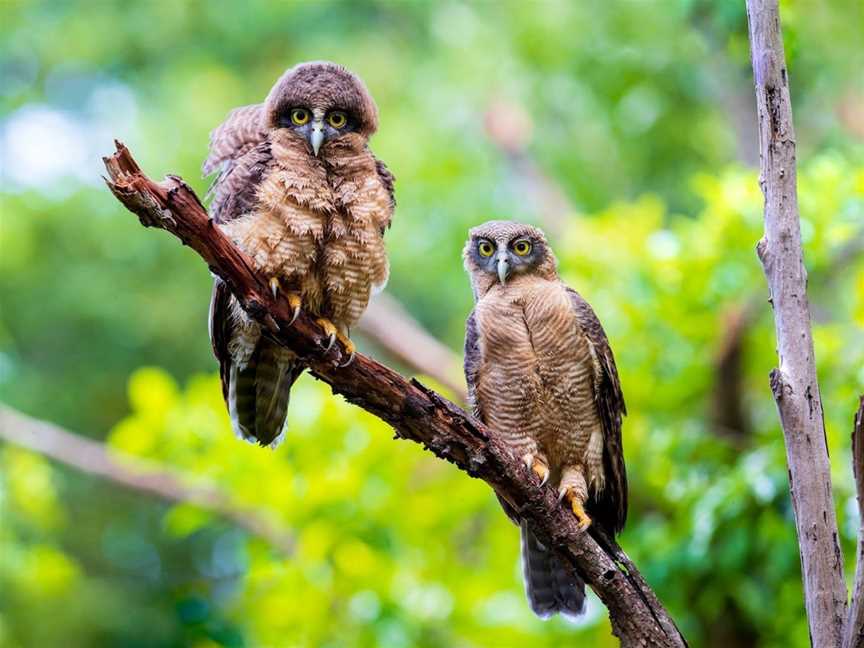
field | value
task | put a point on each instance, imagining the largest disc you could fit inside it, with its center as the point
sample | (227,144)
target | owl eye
(337,119)
(485,248)
(522,248)
(299,116)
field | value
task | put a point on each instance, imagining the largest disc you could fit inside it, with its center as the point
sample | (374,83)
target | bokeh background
(626,130)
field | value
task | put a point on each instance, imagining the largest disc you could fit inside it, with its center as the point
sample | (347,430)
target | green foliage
(643,117)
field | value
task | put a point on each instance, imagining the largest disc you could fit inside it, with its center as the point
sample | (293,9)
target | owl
(542,377)
(299,191)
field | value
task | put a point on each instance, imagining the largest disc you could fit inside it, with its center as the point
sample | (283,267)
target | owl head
(501,251)
(321,101)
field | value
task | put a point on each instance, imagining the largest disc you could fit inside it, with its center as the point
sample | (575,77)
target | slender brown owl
(299,191)
(542,377)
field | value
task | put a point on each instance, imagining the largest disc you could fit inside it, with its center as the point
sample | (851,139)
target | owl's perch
(415,412)
(794,383)
(853,635)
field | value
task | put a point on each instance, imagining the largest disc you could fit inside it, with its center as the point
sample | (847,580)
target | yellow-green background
(641,112)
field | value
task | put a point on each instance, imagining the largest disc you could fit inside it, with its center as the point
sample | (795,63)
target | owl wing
(388,180)
(242,129)
(240,152)
(611,503)
(471,364)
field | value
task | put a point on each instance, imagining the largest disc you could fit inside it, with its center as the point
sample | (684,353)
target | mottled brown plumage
(311,213)
(542,376)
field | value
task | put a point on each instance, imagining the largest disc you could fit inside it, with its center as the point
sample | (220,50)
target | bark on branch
(136,474)
(794,383)
(854,631)
(415,412)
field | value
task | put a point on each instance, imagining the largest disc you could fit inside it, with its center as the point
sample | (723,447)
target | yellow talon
(576,505)
(538,467)
(349,348)
(294,302)
(329,330)
(293,298)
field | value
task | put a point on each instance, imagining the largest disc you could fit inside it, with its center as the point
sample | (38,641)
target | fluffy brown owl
(299,191)
(542,377)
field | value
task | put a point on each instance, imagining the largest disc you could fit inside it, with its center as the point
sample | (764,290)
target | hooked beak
(503,267)
(316,138)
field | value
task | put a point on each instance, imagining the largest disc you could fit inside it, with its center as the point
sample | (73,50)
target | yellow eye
(337,119)
(522,248)
(299,116)
(485,248)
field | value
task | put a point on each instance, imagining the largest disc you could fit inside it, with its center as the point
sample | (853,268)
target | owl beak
(316,138)
(503,267)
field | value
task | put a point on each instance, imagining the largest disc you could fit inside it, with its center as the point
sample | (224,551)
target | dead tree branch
(134,473)
(854,632)
(415,412)
(794,383)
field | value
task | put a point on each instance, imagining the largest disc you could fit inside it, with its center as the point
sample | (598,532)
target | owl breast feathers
(542,376)
(299,191)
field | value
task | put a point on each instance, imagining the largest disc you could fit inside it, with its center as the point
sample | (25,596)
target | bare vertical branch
(854,633)
(794,383)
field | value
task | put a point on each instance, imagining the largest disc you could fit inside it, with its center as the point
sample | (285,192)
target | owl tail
(549,586)
(258,393)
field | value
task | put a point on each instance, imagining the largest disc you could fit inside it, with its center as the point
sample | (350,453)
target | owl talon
(576,506)
(293,298)
(329,331)
(275,286)
(294,303)
(349,349)
(538,467)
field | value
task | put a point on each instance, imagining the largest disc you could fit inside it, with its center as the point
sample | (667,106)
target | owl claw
(329,330)
(294,303)
(576,506)
(350,349)
(538,467)
(293,298)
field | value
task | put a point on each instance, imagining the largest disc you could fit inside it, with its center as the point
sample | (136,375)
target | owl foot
(292,297)
(294,302)
(275,286)
(576,506)
(537,466)
(329,330)
(349,349)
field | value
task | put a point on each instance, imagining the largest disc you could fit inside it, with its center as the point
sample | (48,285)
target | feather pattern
(242,129)
(541,375)
(313,222)
(550,587)
(610,504)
